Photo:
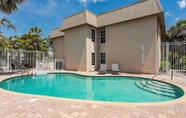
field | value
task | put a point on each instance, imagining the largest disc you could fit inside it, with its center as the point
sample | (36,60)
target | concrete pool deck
(17,105)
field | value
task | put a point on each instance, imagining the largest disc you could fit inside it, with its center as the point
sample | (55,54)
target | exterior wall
(97,50)
(58,44)
(75,20)
(84,17)
(76,45)
(90,47)
(102,47)
(56,33)
(127,28)
(78,48)
(123,45)
(91,19)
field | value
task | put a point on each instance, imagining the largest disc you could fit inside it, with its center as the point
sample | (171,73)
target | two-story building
(130,36)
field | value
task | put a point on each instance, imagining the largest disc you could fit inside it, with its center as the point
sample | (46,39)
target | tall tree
(6,43)
(7,24)
(8,6)
(49,42)
(177,32)
(36,37)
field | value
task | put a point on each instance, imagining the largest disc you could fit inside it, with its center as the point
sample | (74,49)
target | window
(102,36)
(103,58)
(93,59)
(93,35)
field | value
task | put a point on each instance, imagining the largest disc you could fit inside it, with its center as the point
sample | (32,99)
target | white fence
(36,59)
(174,57)
(50,64)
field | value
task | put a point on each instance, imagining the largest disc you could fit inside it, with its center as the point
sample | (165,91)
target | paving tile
(170,115)
(12,115)
(145,113)
(162,116)
(127,114)
(142,116)
(180,115)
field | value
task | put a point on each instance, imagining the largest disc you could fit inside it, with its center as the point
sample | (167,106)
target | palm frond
(8,6)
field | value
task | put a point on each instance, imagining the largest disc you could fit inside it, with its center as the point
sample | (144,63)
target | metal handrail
(154,76)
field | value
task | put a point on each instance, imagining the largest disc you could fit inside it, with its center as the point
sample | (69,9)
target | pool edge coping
(181,99)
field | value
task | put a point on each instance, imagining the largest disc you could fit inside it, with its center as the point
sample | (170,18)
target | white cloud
(50,9)
(85,2)
(167,14)
(182,4)
(177,19)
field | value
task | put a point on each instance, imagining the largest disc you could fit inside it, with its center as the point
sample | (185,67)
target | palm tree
(36,37)
(35,31)
(177,32)
(7,24)
(23,42)
(8,6)
(6,43)
(49,42)
(31,41)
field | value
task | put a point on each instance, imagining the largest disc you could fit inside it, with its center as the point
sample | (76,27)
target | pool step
(160,83)
(165,88)
(158,88)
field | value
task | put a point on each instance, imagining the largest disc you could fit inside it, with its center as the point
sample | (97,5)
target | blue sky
(49,14)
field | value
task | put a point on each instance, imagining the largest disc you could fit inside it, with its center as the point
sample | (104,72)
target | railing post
(20,54)
(36,60)
(55,64)
(167,57)
(43,66)
(8,60)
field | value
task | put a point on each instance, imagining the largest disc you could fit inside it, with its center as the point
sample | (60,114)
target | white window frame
(94,59)
(93,48)
(101,36)
(101,58)
(95,35)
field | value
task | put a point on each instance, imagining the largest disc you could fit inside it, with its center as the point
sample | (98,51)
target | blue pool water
(112,88)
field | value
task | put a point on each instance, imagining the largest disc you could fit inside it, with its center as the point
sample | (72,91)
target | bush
(184,58)
(163,65)
(178,65)
(184,67)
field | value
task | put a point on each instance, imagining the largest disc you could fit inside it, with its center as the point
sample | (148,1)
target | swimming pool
(98,88)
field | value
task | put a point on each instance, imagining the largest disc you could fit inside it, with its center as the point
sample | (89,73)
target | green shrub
(178,65)
(184,58)
(163,65)
(184,67)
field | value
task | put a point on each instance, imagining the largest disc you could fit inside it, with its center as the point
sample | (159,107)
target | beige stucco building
(129,36)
